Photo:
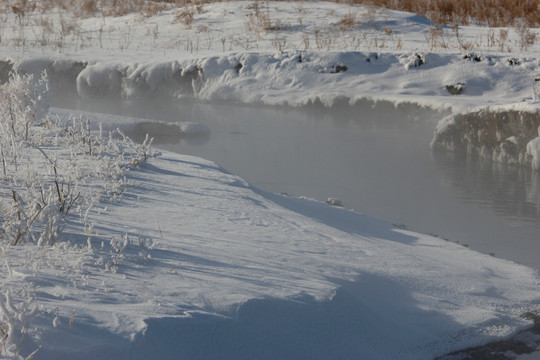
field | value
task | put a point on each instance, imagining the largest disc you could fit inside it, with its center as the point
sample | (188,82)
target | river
(375,158)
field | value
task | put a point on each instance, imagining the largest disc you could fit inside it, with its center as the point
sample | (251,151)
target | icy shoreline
(171,255)
(507,137)
(305,78)
(301,78)
(219,267)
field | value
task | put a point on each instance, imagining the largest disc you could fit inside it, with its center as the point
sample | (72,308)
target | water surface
(376,159)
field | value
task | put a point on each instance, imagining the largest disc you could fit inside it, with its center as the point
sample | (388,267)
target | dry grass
(88,8)
(495,13)
(348,21)
(184,16)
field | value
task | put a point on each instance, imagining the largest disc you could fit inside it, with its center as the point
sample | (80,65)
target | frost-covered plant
(23,103)
(348,21)
(527,37)
(141,151)
(52,167)
(436,37)
(14,319)
(184,16)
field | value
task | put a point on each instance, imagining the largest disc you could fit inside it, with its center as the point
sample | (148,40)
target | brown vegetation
(494,13)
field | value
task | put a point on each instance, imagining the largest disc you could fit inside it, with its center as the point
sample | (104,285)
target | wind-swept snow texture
(207,267)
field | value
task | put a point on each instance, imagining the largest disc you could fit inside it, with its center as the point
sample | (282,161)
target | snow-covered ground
(172,257)
(281,53)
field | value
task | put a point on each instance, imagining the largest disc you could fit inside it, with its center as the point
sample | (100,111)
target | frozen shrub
(51,166)
(23,103)
(14,319)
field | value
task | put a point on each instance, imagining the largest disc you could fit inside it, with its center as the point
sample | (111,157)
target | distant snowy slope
(277,53)
(208,267)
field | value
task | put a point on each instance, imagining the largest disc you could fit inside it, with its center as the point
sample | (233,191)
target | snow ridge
(300,78)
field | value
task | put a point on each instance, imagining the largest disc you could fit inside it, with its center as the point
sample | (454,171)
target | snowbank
(500,135)
(301,78)
(533,149)
(298,55)
(207,266)
(193,129)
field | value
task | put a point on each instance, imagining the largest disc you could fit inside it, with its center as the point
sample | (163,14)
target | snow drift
(235,272)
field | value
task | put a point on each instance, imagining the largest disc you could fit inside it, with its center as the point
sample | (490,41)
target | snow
(191,261)
(173,257)
(267,275)
(309,56)
(193,128)
(533,149)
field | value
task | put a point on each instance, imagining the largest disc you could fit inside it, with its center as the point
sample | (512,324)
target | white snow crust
(306,57)
(215,268)
(193,128)
(533,149)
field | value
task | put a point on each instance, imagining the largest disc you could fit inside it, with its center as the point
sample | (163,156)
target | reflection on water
(376,159)
(511,191)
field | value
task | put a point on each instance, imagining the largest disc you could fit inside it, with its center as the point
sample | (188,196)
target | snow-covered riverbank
(193,262)
(308,58)
(311,56)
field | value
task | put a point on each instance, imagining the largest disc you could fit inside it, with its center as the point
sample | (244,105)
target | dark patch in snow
(473,57)
(338,68)
(456,89)
(238,67)
(372,56)
(5,68)
(334,202)
(514,62)
(420,60)
(414,60)
(525,342)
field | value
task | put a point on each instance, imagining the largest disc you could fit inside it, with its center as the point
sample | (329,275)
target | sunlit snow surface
(215,268)
(204,266)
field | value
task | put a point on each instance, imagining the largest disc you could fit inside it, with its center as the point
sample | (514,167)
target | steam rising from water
(376,159)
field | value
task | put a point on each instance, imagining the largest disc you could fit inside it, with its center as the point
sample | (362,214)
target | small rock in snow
(334,202)
(192,128)
(456,89)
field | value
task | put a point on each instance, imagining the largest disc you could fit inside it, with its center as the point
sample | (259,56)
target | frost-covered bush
(52,170)
(52,167)
(14,319)
(23,102)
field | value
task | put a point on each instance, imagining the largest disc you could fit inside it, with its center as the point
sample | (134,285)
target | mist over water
(376,159)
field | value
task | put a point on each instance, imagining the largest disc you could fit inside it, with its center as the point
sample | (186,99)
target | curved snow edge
(296,78)
(496,134)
